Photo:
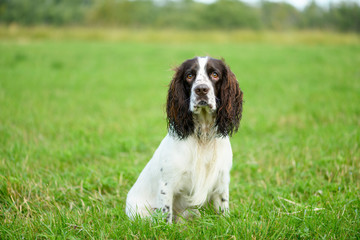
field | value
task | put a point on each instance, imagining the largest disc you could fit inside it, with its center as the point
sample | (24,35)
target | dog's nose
(201,90)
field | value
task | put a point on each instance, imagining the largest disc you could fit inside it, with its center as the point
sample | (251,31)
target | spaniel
(191,167)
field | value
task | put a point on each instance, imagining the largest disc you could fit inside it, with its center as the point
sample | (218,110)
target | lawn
(81,116)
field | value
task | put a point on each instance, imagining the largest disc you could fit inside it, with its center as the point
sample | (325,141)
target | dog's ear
(179,117)
(229,110)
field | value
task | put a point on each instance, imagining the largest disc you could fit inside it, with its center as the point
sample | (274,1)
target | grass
(39,33)
(80,117)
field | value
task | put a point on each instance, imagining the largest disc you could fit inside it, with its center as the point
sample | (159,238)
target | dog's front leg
(166,200)
(220,200)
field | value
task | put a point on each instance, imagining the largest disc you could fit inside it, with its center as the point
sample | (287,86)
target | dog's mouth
(203,105)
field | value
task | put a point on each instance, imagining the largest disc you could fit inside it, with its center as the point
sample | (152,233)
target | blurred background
(83,85)
(186,14)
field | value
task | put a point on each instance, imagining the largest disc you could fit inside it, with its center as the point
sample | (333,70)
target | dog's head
(203,84)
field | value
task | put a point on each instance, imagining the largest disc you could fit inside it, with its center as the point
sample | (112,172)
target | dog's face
(204,83)
(202,76)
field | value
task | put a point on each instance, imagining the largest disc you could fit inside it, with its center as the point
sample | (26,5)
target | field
(82,113)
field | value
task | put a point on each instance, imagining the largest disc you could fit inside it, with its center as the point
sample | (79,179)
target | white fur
(189,173)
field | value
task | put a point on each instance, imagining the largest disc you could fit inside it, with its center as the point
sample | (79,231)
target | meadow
(82,111)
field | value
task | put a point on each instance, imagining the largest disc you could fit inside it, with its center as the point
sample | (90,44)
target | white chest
(200,177)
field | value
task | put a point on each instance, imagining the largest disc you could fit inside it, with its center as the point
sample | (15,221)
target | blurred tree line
(184,14)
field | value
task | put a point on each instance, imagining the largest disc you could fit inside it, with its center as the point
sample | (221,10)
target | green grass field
(80,118)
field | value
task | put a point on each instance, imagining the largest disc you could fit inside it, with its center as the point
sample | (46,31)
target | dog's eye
(189,76)
(215,75)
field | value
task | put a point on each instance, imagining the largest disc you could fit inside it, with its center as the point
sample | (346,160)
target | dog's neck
(204,126)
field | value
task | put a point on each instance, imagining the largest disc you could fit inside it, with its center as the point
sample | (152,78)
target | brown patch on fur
(179,116)
(229,111)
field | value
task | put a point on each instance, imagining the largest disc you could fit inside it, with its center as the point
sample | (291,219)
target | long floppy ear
(229,110)
(179,117)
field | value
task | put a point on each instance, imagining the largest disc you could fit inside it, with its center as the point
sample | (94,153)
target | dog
(191,167)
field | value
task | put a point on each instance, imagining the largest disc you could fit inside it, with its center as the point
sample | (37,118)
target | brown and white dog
(191,167)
